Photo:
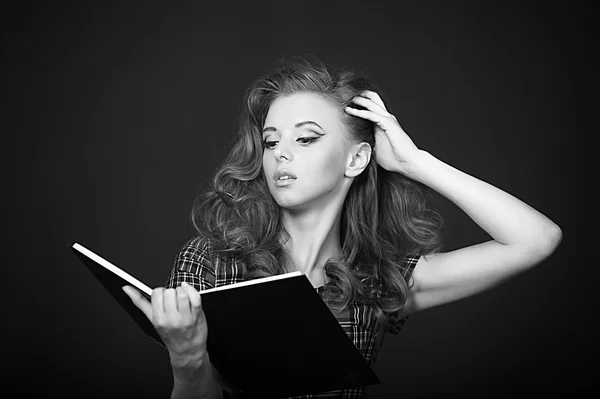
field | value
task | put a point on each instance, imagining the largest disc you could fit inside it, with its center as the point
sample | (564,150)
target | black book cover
(268,338)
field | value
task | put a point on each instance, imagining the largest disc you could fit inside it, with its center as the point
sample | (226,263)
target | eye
(269,144)
(307,140)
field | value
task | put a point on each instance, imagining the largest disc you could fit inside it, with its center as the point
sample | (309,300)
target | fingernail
(184,283)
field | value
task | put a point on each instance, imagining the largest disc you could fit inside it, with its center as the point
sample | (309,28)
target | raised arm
(522,236)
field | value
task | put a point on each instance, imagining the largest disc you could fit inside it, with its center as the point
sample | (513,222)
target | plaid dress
(198,267)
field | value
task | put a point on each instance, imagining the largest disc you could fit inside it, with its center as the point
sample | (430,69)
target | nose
(282,151)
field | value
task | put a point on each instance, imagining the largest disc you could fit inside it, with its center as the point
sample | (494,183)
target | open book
(269,337)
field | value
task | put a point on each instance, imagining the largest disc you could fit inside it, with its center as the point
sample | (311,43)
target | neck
(314,239)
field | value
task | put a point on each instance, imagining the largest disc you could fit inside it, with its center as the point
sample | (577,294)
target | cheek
(330,165)
(269,166)
(266,165)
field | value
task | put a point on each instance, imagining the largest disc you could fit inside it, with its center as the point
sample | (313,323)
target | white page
(144,288)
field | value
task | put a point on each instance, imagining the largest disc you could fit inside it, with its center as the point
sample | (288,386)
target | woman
(324,180)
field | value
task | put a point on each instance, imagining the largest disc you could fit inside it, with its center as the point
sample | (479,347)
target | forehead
(287,110)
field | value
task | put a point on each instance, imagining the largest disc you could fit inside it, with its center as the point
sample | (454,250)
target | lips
(285,174)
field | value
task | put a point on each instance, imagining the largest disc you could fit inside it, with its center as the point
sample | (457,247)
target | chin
(299,199)
(289,200)
(289,203)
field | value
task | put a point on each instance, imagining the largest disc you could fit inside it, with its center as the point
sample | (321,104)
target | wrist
(188,362)
(416,168)
(188,371)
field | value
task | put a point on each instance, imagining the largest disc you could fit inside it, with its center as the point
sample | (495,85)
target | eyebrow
(297,125)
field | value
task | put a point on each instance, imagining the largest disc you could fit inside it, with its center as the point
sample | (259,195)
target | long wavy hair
(385,216)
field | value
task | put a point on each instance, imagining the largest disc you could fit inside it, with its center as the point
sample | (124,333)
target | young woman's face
(304,139)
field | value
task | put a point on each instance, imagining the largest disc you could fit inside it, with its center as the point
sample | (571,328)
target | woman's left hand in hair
(394,150)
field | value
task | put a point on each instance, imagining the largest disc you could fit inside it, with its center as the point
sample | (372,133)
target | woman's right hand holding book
(179,320)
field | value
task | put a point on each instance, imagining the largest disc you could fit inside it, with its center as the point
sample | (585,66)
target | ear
(358,159)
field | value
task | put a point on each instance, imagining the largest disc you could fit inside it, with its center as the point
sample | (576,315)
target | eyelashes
(302,141)
(307,140)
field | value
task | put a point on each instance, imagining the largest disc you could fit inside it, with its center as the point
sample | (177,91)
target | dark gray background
(115,115)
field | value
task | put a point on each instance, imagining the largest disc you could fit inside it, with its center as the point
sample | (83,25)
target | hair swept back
(385,217)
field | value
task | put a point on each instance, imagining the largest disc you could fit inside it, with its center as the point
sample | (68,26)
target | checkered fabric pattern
(198,267)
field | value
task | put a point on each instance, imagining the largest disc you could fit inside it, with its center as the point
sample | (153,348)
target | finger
(370,105)
(183,302)
(158,307)
(375,97)
(139,300)
(194,297)
(366,114)
(170,301)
